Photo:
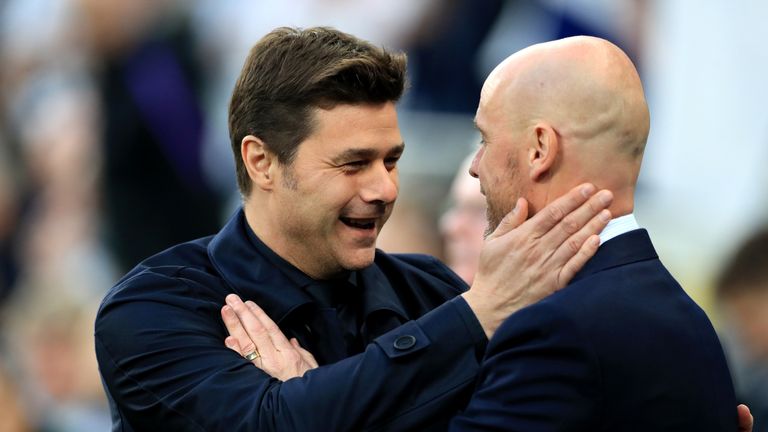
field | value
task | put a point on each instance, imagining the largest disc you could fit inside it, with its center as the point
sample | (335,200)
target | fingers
(576,263)
(746,421)
(575,251)
(251,329)
(238,338)
(576,220)
(275,334)
(512,219)
(253,326)
(572,202)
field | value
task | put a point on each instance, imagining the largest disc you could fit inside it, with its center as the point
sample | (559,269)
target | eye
(355,165)
(391,162)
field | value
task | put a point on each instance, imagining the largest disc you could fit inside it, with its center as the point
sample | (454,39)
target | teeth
(359,223)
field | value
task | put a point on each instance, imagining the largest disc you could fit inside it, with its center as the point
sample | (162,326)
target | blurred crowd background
(114,145)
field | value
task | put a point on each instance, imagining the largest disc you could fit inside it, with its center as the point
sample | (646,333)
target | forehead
(354,126)
(486,116)
(489,106)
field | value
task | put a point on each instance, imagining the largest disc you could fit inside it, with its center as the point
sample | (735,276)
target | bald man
(622,347)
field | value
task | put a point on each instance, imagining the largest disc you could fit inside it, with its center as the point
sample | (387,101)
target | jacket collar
(627,248)
(378,293)
(254,271)
(248,267)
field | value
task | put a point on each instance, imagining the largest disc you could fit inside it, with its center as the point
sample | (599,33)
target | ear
(258,161)
(543,152)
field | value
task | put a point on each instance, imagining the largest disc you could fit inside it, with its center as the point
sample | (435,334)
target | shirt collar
(618,226)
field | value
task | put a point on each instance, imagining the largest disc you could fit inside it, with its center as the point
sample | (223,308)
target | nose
(476,162)
(381,184)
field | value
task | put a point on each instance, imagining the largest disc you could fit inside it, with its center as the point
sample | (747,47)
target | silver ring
(251,356)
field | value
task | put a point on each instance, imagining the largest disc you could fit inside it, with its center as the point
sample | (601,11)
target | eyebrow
(474,122)
(365,153)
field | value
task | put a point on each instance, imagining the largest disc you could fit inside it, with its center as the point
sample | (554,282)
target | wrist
(485,313)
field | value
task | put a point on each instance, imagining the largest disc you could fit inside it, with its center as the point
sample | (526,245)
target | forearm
(189,387)
(394,388)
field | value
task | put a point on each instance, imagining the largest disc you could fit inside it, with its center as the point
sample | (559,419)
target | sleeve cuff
(452,322)
(472,324)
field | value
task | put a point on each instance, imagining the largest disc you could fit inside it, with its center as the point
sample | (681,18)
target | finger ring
(253,355)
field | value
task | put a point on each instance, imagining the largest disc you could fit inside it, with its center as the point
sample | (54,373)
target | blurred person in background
(52,347)
(464,223)
(9,213)
(50,111)
(444,55)
(46,319)
(13,418)
(742,291)
(155,192)
(409,229)
(35,64)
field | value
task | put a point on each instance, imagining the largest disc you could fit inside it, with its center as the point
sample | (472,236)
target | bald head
(565,112)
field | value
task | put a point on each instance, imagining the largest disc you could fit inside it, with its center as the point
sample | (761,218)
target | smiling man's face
(340,189)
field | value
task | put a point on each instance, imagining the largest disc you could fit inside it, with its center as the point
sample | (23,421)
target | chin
(359,259)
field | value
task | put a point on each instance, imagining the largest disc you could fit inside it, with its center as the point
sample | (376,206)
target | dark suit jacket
(622,348)
(161,353)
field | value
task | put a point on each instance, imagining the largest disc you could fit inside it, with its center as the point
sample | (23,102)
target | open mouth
(358,223)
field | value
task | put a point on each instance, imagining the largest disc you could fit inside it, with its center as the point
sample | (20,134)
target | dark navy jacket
(622,348)
(159,343)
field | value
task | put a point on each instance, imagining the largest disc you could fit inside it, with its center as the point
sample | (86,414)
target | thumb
(512,219)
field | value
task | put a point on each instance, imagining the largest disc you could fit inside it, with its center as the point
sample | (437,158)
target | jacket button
(405,342)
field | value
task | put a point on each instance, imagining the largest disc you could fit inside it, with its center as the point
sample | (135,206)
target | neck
(622,205)
(269,231)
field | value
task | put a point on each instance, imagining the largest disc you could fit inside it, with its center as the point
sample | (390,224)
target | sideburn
(289,178)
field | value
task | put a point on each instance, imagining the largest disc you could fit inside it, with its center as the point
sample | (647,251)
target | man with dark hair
(290,73)
(315,135)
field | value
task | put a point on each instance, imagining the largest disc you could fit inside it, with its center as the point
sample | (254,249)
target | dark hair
(747,270)
(290,72)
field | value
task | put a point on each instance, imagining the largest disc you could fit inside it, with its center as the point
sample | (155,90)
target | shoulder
(549,322)
(170,289)
(633,293)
